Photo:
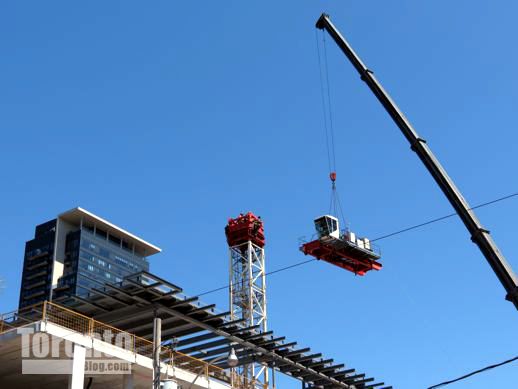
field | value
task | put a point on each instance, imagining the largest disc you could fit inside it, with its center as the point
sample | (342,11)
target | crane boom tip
(321,21)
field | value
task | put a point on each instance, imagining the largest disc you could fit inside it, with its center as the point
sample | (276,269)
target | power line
(377,239)
(444,217)
(473,373)
(267,274)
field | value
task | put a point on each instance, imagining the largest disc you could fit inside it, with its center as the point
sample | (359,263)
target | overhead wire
(473,373)
(416,226)
(266,275)
(443,217)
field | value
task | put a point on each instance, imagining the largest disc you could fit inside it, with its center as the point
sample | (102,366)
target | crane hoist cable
(335,205)
(337,246)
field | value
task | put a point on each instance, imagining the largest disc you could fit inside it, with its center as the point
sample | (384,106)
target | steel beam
(196,339)
(295,352)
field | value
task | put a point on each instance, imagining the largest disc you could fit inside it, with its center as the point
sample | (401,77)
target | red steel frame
(244,228)
(340,257)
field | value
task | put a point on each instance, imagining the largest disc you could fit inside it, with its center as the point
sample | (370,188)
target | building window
(115,240)
(91,268)
(121,261)
(126,245)
(101,233)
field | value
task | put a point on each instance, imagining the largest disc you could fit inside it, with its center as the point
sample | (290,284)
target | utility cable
(266,274)
(443,217)
(473,373)
(297,264)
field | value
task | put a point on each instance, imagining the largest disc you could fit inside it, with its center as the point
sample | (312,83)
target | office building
(76,252)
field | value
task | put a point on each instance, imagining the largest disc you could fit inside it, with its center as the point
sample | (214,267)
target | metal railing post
(44,313)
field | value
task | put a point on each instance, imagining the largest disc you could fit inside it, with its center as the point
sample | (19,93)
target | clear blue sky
(168,117)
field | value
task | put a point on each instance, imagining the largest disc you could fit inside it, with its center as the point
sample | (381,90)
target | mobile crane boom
(479,235)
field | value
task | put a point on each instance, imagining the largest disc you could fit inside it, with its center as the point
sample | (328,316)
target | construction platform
(344,253)
(341,248)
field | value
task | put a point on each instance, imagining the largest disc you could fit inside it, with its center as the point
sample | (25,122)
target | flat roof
(75,215)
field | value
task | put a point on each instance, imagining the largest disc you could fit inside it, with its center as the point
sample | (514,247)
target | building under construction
(195,345)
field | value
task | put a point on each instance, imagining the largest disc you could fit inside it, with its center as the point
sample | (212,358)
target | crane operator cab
(345,250)
(327,226)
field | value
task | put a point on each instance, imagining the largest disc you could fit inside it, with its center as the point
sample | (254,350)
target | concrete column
(77,379)
(157,342)
(127,381)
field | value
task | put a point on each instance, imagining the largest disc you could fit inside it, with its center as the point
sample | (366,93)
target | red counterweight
(244,228)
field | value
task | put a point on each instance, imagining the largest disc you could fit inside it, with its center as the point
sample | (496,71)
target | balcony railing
(50,312)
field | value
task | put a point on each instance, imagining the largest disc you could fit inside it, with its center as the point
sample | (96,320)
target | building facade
(76,252)
(38,265)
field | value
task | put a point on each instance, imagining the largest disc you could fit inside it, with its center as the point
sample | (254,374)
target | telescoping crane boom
(479,235)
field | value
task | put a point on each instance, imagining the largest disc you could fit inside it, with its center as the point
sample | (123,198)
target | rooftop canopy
(81,217)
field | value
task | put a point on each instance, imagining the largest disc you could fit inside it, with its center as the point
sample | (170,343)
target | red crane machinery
(244,228)
(342,248)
